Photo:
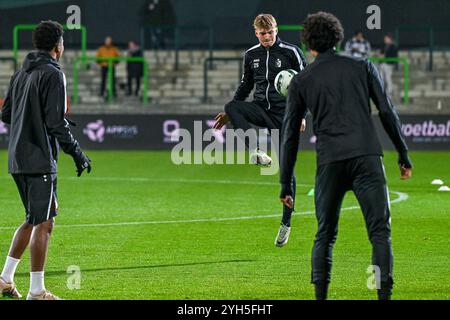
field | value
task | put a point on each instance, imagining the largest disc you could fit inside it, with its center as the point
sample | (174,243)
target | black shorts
(38,194)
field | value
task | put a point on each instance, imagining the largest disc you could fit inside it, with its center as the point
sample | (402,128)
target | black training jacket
(261,66)
(34,107)
(336,90)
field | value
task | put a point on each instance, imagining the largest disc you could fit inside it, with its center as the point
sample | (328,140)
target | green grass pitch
(207,231)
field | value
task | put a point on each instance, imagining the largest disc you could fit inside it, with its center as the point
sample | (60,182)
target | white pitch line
(265,183)
(401,197)
(137,179)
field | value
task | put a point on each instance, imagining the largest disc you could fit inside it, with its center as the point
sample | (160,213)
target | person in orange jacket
(106,51)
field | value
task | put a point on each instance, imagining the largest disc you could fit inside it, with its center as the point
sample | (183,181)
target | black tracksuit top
(336,90)
(34,106)
(261,66)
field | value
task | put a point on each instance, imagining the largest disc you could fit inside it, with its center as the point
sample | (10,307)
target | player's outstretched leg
(372,194)
(285,226)
(18,245)
(241,114)
(330,190)
(38,253)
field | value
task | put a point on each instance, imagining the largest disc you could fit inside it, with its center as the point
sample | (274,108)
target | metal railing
(19,27)
(405,63)
(207,65)
(110,61)
(178,37)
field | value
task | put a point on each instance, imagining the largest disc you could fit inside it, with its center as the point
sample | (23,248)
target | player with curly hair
(336,90)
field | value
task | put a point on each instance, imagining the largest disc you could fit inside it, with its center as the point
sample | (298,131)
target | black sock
(287,215)
(321,289)
(287,212)
(385,292)
(286,221)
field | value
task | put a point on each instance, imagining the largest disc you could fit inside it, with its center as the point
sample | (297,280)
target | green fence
(405,64)
(110,74)
(178,37)
(19,27)
(293,27)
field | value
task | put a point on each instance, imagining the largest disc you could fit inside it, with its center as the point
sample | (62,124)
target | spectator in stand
(157,17)
(106,51)
(389,50)
(134,68)
(358,46)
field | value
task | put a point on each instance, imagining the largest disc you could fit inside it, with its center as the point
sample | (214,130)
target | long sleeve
(300,64)
(247,82)
(6,108)
(290,132)
(54,109)
(387,113)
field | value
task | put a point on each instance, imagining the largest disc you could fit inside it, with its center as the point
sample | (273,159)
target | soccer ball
(282,81)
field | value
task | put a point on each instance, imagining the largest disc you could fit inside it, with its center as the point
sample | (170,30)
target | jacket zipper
(267,78)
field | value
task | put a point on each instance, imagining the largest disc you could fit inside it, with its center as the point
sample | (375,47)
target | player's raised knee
(231,108)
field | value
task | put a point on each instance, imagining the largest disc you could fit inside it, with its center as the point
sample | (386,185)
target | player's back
(29,143)
(336,91)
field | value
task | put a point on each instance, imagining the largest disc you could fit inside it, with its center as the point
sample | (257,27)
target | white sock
(37,283)
(10,269)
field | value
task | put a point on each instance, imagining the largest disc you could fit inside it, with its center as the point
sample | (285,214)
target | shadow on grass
(60,273)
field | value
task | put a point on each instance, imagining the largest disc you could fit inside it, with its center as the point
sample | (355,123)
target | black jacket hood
(36,58)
